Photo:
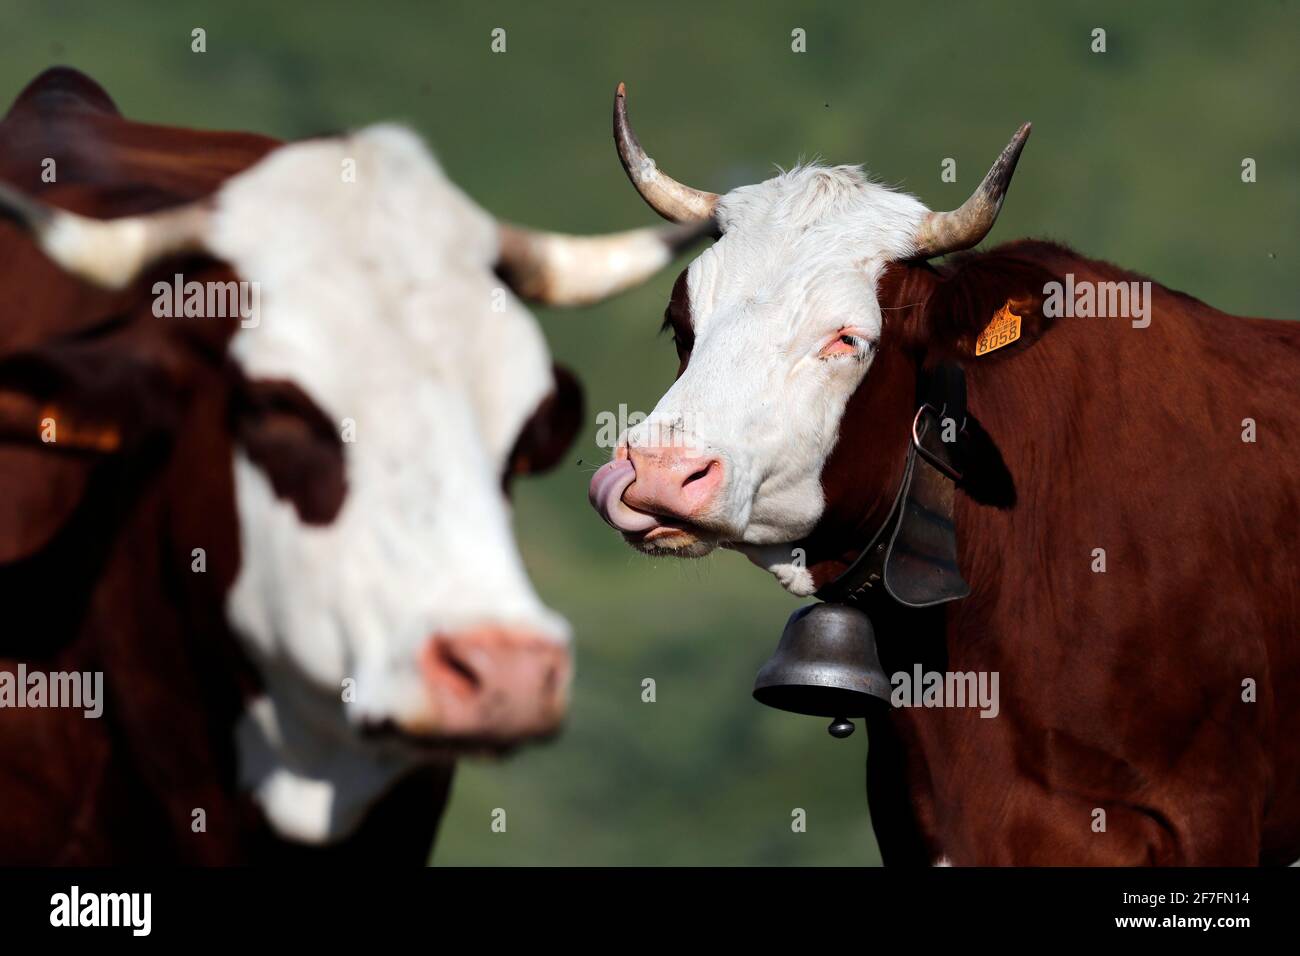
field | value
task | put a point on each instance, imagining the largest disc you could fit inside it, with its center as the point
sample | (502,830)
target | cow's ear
(64,407)
(88,396)
(986,308)
(295,444)
(550,431)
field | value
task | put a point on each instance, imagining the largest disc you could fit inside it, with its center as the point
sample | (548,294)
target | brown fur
(1120,691)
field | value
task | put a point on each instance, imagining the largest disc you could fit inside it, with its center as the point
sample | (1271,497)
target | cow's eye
(845,344)
(683,344)
(294,443)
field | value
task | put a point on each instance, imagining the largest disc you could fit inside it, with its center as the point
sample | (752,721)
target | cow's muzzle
(660,499)
(489,689)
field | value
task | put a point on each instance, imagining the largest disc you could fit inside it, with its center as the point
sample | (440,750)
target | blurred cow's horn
(107,252)
(942,232)
(666,196)
(555,269)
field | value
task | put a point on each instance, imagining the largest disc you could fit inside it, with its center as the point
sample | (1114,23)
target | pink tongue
(606,496)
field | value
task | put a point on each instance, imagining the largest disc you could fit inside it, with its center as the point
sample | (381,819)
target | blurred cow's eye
(294,443)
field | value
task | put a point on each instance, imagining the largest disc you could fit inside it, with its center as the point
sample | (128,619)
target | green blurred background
(1136,157)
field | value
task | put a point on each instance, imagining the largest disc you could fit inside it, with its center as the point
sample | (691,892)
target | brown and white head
(392,382)
(776,325)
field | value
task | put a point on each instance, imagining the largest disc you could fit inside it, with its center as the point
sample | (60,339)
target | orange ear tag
(1003,329)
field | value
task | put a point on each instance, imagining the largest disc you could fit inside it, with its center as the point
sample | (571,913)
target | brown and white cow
(1126,520)
(321,474)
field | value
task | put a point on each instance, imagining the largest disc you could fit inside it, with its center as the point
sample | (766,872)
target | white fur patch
(377,300)
(782,564)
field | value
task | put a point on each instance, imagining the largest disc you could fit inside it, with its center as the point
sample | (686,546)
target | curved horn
(555,269)
(942,232)
(666,196)
(108,252)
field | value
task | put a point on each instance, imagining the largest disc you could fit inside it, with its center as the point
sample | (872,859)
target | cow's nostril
(701,474)
(462,675)
(707,471)
(493,683)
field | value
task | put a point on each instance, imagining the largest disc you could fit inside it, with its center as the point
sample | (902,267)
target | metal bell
(826,665)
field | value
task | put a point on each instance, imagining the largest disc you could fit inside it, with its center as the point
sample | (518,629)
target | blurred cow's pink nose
(672,482)
(495,684)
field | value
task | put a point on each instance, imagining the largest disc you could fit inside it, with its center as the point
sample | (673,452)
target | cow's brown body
(1120,691)
(96,549)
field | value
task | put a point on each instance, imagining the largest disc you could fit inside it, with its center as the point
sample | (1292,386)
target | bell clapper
(840,728)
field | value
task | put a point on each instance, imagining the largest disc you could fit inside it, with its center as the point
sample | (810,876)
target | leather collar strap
(913,556)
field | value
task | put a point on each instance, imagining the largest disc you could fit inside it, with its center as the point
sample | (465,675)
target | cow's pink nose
(495,684)
(673,482)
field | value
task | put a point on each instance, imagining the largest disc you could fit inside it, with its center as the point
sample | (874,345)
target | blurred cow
(279,390)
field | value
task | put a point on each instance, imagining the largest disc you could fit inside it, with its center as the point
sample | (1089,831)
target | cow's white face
(379,301)
(784,317)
